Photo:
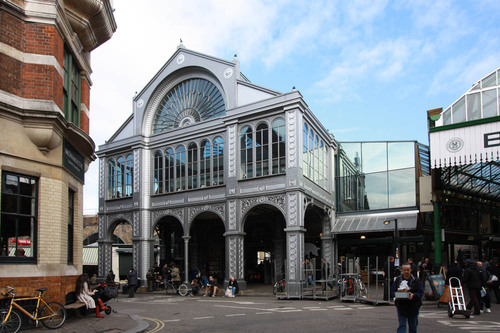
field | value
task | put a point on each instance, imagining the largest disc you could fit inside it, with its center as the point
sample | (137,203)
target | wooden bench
(77,307)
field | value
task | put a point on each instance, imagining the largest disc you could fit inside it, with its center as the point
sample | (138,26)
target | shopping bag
(228,293)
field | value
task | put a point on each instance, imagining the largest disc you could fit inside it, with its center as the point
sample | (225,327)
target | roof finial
(235,56)
(180,40)
(293,88)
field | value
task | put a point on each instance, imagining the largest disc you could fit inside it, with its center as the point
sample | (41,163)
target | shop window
(18,223)
(71,89)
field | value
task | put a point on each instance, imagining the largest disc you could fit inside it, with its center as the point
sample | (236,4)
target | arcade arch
(264,244)
(207,246)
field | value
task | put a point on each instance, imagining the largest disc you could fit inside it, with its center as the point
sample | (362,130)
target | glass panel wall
(376,175)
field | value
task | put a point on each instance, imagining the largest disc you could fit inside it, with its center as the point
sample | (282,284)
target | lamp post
(396,240)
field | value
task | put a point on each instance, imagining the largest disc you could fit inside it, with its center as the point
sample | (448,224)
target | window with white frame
(198,166)
(314,157)
(120,176)
(263,150)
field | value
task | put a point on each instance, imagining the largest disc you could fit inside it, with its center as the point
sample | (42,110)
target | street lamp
(396,239)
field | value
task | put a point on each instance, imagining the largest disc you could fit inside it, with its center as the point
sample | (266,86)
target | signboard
(465,145)
(425,185)
(73,161)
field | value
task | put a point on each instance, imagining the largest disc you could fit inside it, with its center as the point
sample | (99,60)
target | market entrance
(169,232)
(264,244)
(207,246)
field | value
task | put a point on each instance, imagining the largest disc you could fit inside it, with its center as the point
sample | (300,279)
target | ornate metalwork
(292,209)
(232,214)
(232,150)
(219,209)
(232,256)
(241,256)
(276,200)
(101,178)
(292,260)
(189,102)
(292,151)
(136,170)
(177,212)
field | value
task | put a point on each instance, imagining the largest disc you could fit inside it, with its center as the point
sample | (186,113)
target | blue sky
(369,70)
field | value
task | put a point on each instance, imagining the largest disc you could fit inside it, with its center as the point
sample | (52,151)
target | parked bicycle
(52,314)
(172,289)
(279,286)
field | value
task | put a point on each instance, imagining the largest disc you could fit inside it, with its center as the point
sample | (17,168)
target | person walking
(407,308)
(484,295)
(472,278)
(132,281)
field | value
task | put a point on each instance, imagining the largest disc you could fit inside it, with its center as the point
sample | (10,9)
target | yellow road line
(159,324)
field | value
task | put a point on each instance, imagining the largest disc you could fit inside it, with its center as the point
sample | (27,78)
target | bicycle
(171,289)
(51,314)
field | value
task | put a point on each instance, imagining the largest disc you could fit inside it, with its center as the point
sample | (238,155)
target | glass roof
(481,101)
(189,102)
(480,179)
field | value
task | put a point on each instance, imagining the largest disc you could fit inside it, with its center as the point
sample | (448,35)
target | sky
(369,70)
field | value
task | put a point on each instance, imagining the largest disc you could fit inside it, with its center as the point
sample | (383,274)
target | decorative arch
(218,209)
(278,201)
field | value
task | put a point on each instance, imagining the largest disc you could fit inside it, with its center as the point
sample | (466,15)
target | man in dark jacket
(474,281)
(408,307)
(132,281)
(454,271)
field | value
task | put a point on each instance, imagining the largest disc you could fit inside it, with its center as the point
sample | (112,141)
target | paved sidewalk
(113,323)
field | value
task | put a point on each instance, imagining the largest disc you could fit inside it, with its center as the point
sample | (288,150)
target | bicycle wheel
(57,313)
(170,289)
(12,325)
(183,289)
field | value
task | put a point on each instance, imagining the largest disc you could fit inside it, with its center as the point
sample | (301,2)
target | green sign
(73,161)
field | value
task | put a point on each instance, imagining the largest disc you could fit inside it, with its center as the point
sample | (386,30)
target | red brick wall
(58,286)
(84,118)
(31,80)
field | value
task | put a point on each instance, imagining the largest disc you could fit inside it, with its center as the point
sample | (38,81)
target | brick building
(45,147)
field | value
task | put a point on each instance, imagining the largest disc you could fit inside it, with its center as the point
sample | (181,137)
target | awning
(91,255)
(374,222)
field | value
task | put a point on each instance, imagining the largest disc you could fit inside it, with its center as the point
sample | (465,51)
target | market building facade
(45,145)
(465,160)
(216,173)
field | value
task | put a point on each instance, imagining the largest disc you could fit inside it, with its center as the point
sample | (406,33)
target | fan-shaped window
(188,102)
(192,166)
